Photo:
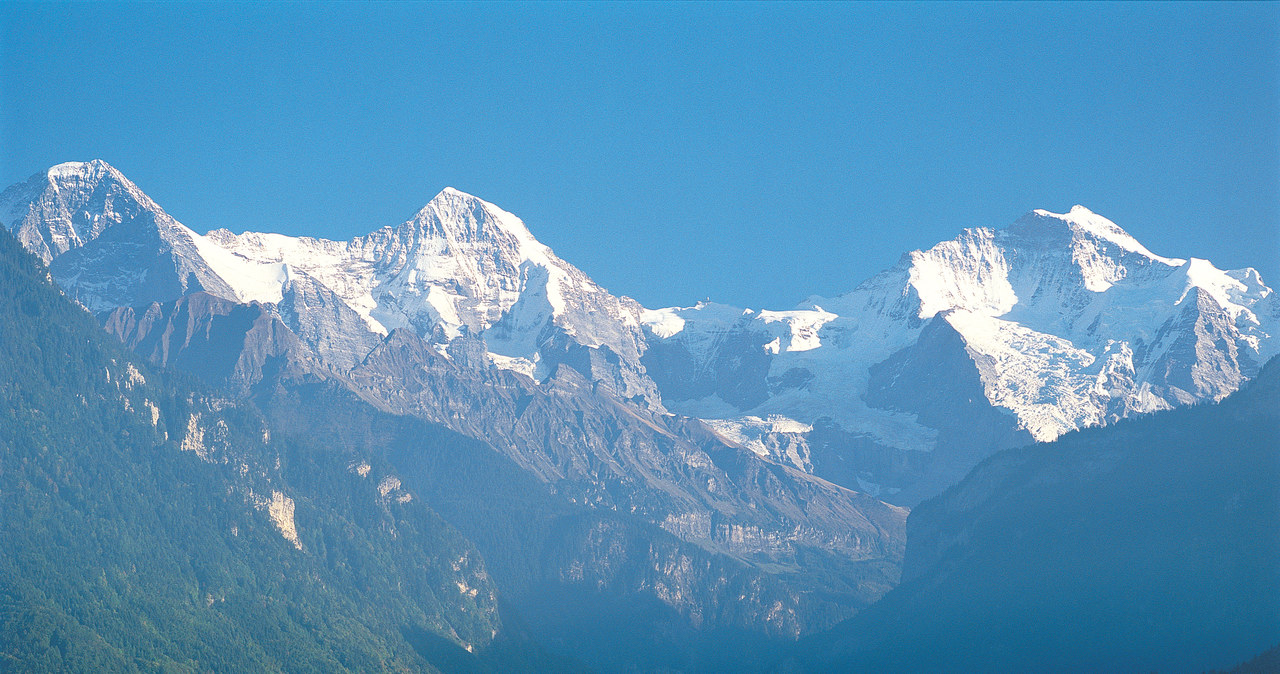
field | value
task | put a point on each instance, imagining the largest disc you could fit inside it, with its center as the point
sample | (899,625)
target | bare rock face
(156,501)
(460,317)
(592,448)
(1067,320)
(233,345)
(70,205)
(106,243)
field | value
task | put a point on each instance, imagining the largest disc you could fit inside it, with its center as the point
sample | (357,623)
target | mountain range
(1057,322)
(776,452)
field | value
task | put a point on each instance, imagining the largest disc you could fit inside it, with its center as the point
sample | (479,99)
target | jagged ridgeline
(1058,321)
(460,318)
(154,523)
(676,488)
(150,525)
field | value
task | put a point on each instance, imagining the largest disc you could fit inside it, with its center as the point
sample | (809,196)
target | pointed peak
(451,198)
(462,216)
(455,195)
(81,175)
(71,203)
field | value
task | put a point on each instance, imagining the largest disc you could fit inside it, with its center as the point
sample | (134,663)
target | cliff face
(461,318)
(1065,319)
(592,450)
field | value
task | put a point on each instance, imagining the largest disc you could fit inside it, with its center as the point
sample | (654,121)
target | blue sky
(750,153)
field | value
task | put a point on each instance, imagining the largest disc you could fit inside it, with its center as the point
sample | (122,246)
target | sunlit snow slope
(459,264)
(1065,319)
(995,338)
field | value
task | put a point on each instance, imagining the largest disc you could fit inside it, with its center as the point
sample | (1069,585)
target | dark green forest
(136,539)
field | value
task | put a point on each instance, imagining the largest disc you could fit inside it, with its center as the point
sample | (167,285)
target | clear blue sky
(750,153)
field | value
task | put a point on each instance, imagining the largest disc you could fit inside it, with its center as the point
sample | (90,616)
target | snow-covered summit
(69,204)
(80,170)
(458,262)
(108,243)
(459,266)
(1066,320)
(1055,322)
(455,216)
(1082,221)
(463,265)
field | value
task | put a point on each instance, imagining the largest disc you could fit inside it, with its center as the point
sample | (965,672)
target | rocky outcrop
(597,451)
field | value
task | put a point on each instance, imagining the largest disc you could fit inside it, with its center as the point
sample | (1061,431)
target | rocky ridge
(790,424)
(460,318)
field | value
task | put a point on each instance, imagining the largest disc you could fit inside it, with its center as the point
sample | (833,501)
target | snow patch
(970,273)
(771,437)
(663,323)
(804,325)
(520,364)
(251,280)
(1041,378)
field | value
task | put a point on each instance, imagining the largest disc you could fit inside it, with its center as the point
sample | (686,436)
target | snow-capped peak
(1068,319)
(461,217)
(459,265)
(77,168)
(80,168)
(1039,305)
(87,175)
(70,204)
(1081,220)
(459,261)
